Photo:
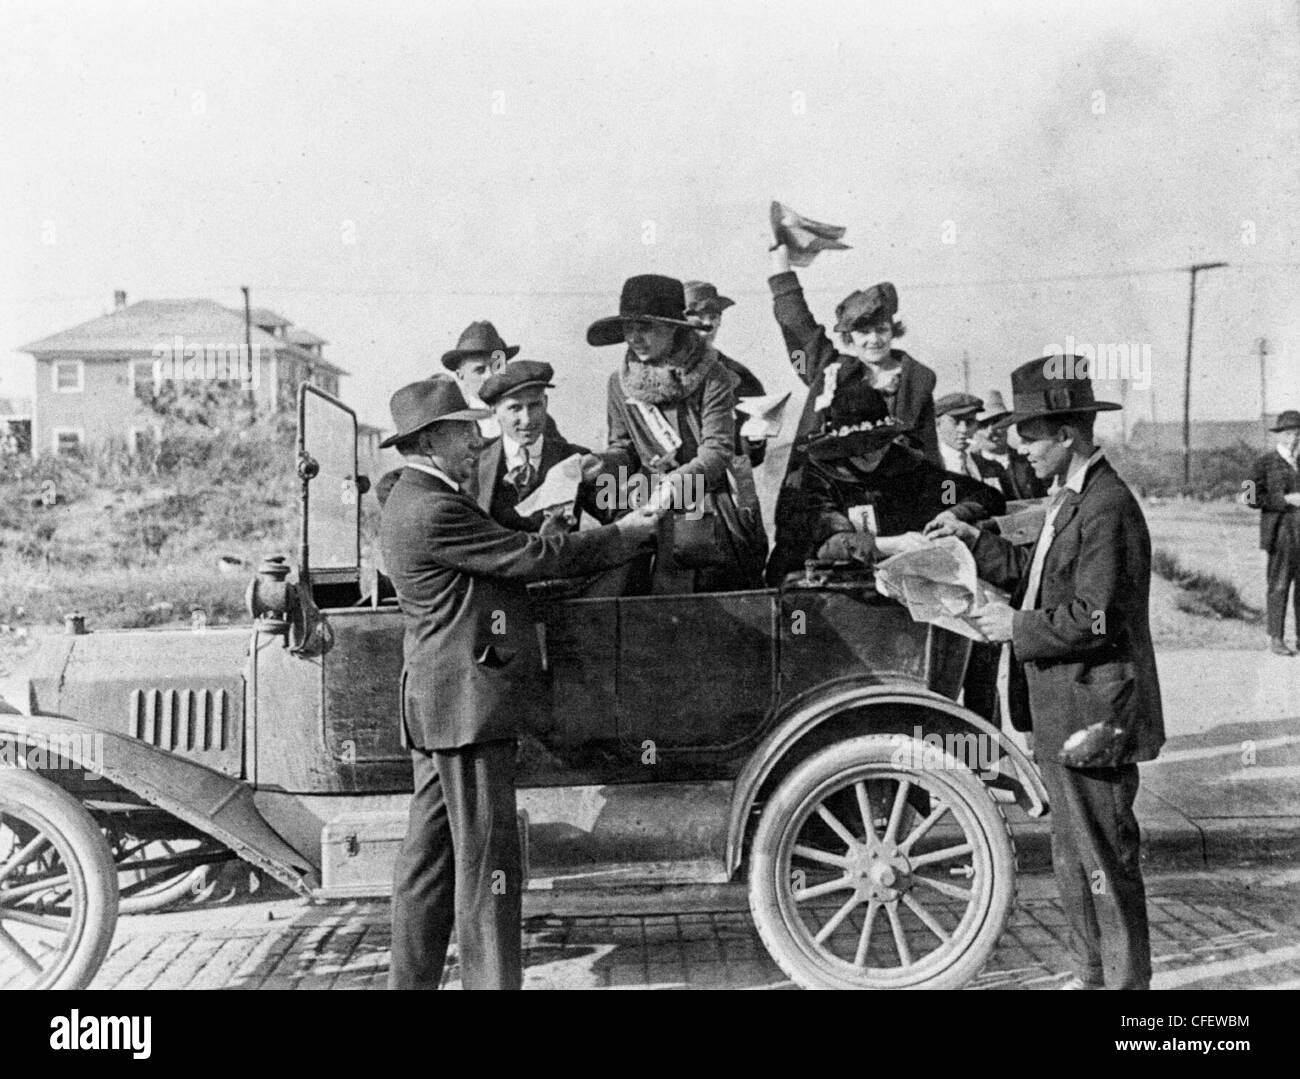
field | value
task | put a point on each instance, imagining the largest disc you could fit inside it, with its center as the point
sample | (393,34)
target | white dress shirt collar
(1287,457)
(1074,481)
(434,471)
(514,452)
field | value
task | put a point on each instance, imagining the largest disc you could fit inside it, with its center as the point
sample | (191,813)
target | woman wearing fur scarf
(671,407)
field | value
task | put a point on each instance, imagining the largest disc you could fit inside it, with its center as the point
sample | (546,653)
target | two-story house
(93,381)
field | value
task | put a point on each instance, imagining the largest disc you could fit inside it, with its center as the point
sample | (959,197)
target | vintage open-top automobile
(784,736)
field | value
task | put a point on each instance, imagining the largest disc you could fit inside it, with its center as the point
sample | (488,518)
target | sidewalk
(1227,783)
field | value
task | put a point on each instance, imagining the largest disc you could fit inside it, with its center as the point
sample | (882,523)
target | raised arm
(807,344)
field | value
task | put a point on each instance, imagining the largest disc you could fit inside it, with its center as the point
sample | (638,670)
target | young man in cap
(989,447)
(1275,491)
(956,420)
(859,483)
(1079,668)
(704,307)
(470,683)
(513,466)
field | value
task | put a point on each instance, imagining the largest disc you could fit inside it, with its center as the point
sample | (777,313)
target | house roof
(143,326)
(264,316)
(304,337)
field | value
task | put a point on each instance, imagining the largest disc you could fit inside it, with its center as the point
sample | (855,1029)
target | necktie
(522,477)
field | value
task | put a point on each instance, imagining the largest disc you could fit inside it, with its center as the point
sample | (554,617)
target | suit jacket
(1273,479)
(906,490)
(473,671)
(498,499)
(1084,653)
(1018,481)
(811,351)
(747,385)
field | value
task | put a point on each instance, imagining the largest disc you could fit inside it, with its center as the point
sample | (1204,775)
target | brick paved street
(1234,928)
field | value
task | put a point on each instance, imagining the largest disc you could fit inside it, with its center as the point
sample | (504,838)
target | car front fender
(214,803)
(881,703)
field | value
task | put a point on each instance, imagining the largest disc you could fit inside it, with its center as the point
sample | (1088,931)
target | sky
(383,174)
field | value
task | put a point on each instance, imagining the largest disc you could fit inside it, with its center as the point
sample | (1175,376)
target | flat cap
(515,376)
(957,404)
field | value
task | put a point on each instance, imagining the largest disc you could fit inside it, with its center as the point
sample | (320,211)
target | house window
(68,376)
(144,380)
(67,441)
(142,440)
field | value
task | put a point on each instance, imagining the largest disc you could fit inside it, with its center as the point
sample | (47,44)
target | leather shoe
(1278,647)
(1075,982)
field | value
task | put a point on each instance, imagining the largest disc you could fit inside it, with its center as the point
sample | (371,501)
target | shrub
(1202,594)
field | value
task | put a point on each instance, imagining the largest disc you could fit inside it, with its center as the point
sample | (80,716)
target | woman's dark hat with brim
(1286,421)
(646,298)
(424,403)
(858,422)
(478,339)
(1055,385)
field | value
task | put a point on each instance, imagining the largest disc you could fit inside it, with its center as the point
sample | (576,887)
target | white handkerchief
(559,487)
(765,415)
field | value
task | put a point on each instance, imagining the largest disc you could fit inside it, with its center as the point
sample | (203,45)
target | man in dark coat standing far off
(1080,666)
(470,683)
(1275,491)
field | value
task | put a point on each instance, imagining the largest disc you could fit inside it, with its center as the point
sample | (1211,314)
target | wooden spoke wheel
(870,872)
(58,887)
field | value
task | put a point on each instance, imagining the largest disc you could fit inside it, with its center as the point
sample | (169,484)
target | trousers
(1096,862)
(460,865)
(1284,574)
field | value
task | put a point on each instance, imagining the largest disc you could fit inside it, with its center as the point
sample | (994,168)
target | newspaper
(938,584)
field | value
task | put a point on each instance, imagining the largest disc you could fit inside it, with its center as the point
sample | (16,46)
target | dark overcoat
(1084,653)
(1273,480)
(473,670)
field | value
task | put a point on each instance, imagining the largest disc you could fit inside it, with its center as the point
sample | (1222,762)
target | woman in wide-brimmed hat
(671,407)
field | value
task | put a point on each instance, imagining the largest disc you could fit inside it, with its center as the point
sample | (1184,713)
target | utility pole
(1261,347)
(965,371)
(1194,269)
(248,344)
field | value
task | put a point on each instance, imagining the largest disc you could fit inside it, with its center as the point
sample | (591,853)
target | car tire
(75,849)
(894,923)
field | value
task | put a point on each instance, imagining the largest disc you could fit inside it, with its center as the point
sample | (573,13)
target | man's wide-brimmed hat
(865,306)
(1054,385)
(645,298)
(702,296)
(516,376)
(994,407)
(857,422)
(424,403)
(1286,421)
(478,339)
(958,404)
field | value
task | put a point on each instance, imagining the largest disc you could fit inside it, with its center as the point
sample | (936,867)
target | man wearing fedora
(479,354)
(704,307)
(1275,492)
(469,685)
(1079,668)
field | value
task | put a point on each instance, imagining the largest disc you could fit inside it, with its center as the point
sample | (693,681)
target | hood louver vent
(180,719)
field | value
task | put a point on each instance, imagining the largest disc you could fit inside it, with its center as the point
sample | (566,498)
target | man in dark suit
(513,466)
(1275,491)
(471,681)
(1081,669)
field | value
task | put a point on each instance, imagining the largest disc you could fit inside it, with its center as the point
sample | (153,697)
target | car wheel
(58,887)
(871,871)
